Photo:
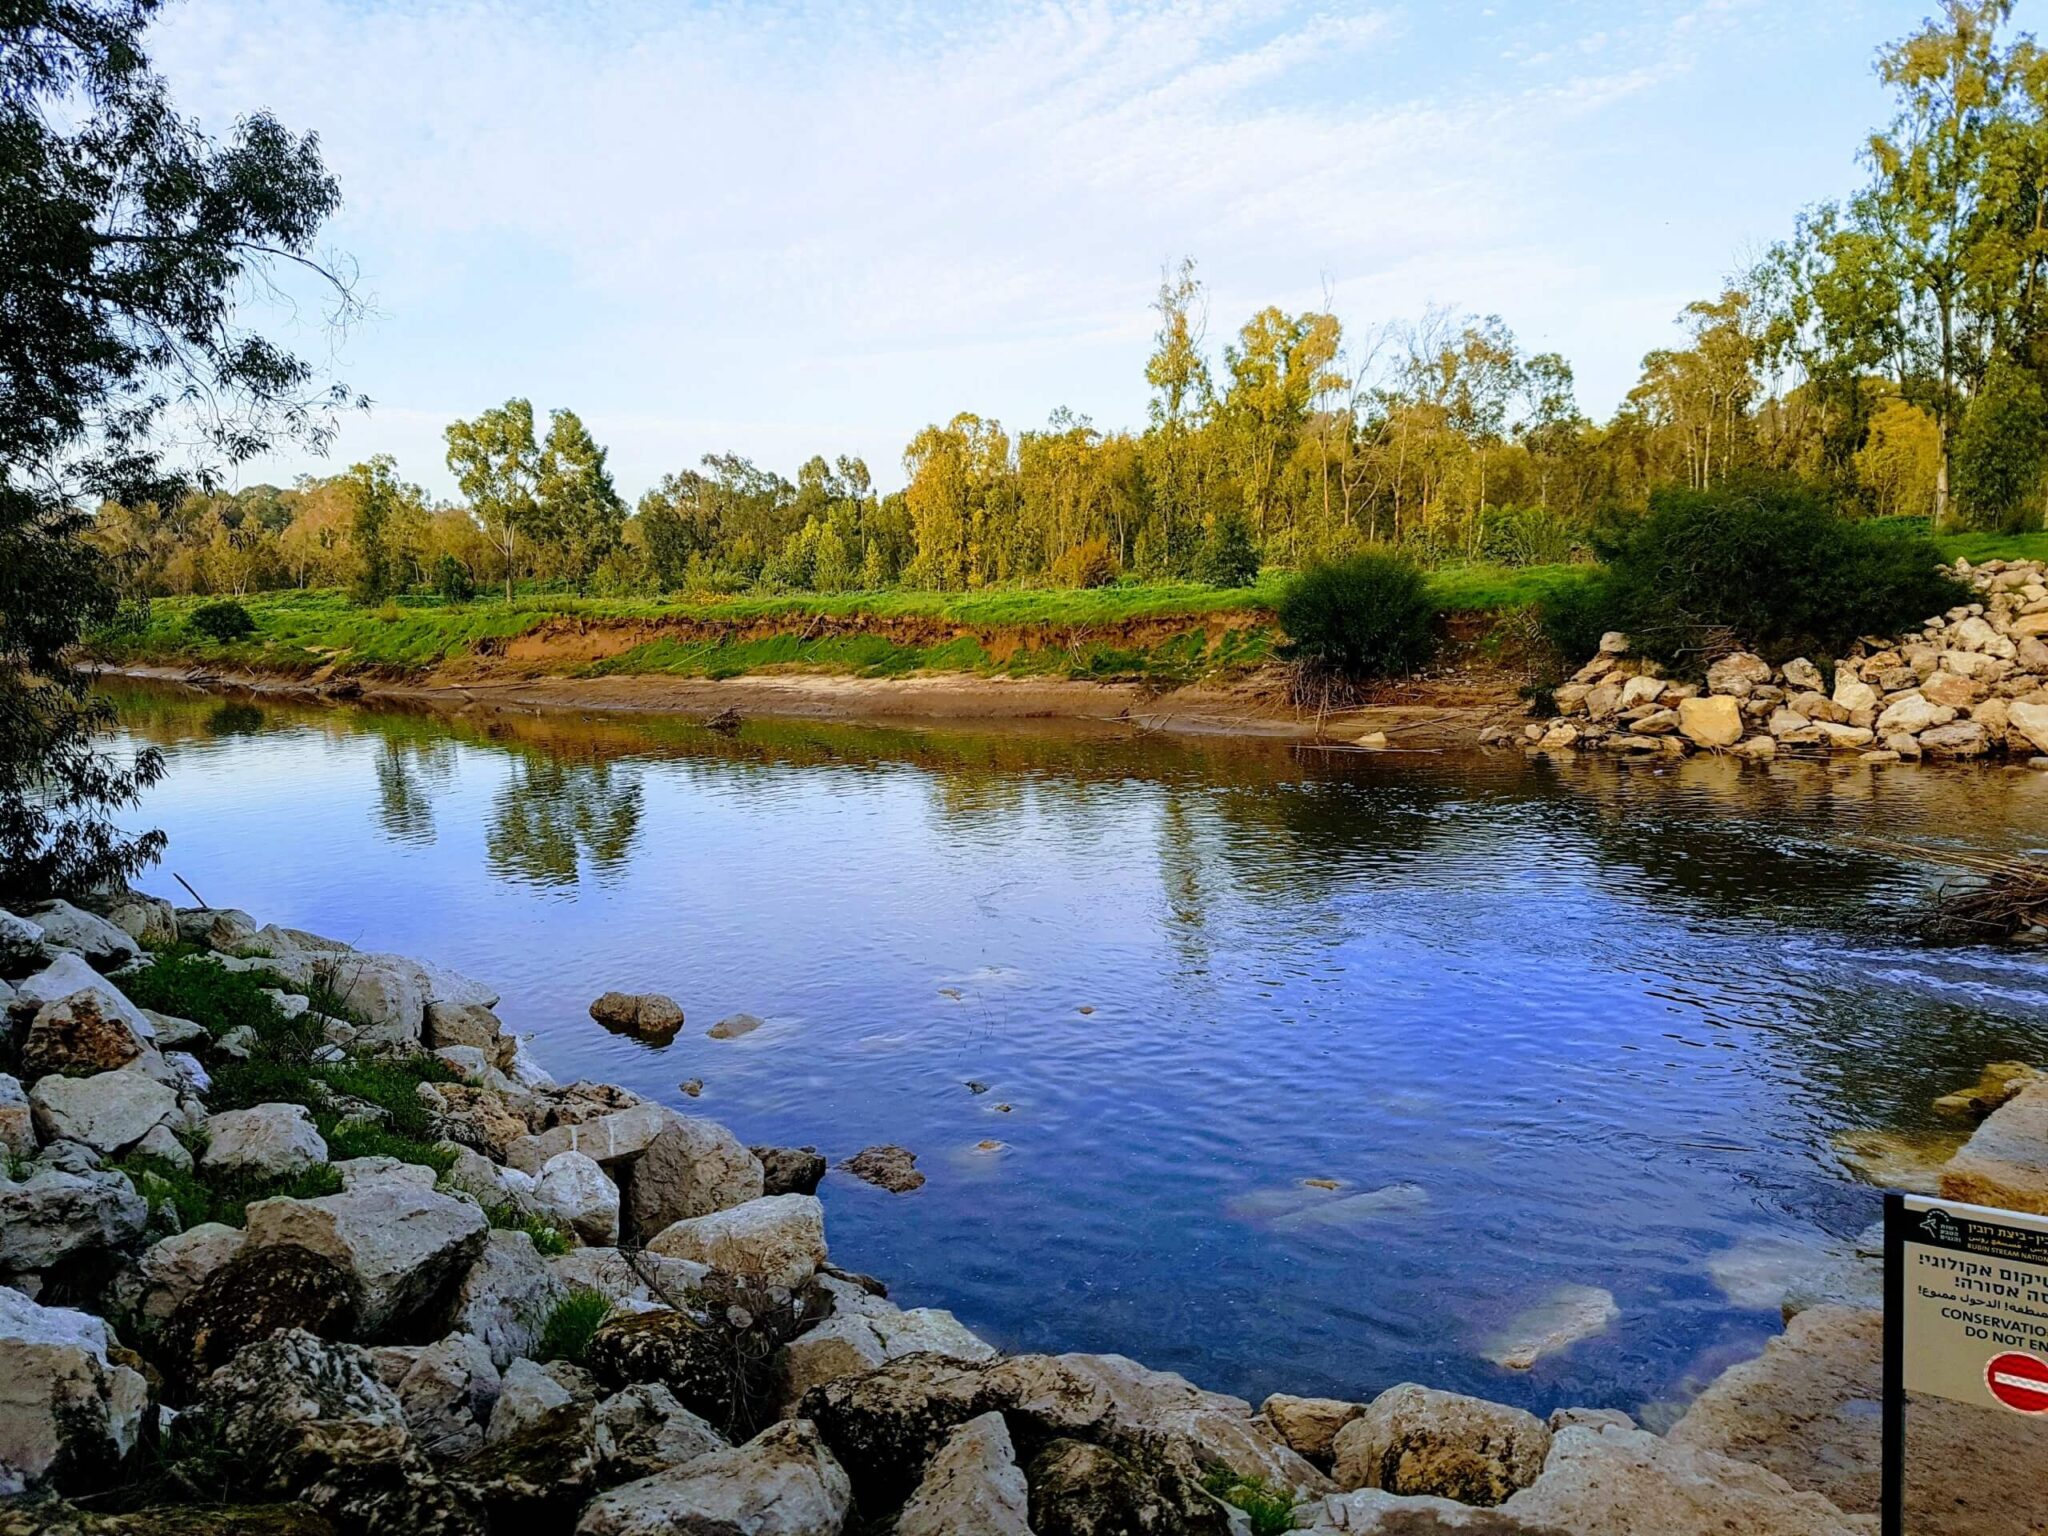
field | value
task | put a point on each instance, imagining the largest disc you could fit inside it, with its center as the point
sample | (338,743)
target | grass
(549,1240)
(1270,1510)
(570,1325)
(200,1197)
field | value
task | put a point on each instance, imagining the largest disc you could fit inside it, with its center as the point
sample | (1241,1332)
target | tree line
(1893,350)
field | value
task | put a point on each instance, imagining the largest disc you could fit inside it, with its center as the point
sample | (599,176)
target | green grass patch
(188,984)
(571,1324)
(549,1240)
(1270,1510)
(198,1196)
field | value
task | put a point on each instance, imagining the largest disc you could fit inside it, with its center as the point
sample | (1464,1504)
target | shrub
(222,621)
(1575,617)
(1767,564)
(1366,617)
(1227,557)
(1269,1509)
(1088,564)
(453,580)
(570,1325)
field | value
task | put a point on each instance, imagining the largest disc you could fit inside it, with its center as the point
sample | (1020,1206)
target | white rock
(639,1282)
(644,1430)
(783,1482)
(62,1403)
(505,1297)
(268,1141)
(57,1212)
(66,974)
(1414,1439)
(1911,714)
(173,1270)
(574,1190)
(1853,694)
(21,941)
(402,1248)
(777,1240)
(108,1112)
(448,1395)
(99,941)
(973,1487)
(622,1134)
(526,1393)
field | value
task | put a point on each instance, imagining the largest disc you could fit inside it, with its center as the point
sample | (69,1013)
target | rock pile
(401,1353)
(1971,682)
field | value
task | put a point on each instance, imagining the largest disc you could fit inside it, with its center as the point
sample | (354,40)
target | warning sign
(1971,1321)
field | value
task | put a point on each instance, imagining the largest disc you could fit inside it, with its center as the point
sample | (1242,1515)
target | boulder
(68,1415)
(1371,1512)
(149,920)
(1413,1439)
(716,1353)
(1912,713)
(285,1408)
(222,928)
(607,1138)
(886,1167)
(17,1120)
(269,1141)
(1950,689)
(691,1168)
(973,1487)
(528,1393)
(1081,1489)
(1309,1425)
(480,1119)
(448,1395)
(89,1031)
(505,1296)
(54,1215)
(789,1170)
(2029,720)
(1711,720)
(103,946)
(402,1249)
(634,1281)
(1736,674)
(2005,1163)
(1964,738)
(783,1482)
(649,1015)
(573,1190)
(463,1024)
(172,1271)
(776,1240)
(1806,1411)
(108,1112)
(255,1293)
(65,974)
(536,1480)
(21,944)
(865,1331)
(1803,675)
(1627,1483)
(644,1430)
(484,1181)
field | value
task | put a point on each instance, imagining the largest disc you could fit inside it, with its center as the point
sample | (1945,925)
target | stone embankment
(1970,683)
(577,1310)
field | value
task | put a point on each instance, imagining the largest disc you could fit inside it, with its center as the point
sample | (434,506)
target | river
(1542,1024)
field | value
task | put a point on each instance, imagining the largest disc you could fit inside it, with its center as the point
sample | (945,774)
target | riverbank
(510,1304)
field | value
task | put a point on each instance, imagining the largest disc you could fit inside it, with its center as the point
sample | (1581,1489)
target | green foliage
(1575,617)
(1367,617)
(1227,556)
(1271,1510)
(453,581)
(549,1240)
(188,983)
(570,1324)
(1767,564)
(1999,449)
(199,1196)
(221,622)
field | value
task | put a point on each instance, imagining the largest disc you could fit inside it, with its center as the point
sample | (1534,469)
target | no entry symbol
(2019,1381)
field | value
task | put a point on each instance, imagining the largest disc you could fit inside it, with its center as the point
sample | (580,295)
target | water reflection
(1596,1023)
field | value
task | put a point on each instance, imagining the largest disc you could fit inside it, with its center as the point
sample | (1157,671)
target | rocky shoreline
(1970,683)
(330,1254)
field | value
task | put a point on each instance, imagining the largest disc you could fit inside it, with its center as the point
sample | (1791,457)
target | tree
(497,464)
(1181,399)
(127,239)
(1999,448)
(377,495)
(578,510)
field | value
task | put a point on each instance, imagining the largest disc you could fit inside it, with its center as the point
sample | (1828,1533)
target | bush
(1575,617)
(222,621)
(1366,617)
(1766,564)
(570,1325)
(1088,564)
(1227,557)
(453,580)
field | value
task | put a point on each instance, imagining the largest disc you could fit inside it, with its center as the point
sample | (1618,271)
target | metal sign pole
(1892,1508)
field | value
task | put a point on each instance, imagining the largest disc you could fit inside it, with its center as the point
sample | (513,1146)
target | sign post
(1965,1318)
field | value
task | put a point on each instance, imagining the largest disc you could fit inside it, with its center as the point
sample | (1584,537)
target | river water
(1542,1024)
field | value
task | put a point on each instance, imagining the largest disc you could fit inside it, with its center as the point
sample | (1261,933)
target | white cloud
(813,227)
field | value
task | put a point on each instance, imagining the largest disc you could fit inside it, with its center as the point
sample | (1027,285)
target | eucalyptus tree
(496,462)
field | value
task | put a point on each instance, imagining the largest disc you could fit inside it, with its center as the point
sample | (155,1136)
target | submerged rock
(733,1028)
(886,1167)
(1570,1313)
(649,1015)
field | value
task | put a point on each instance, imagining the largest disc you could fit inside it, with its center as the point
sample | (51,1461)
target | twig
(194,894)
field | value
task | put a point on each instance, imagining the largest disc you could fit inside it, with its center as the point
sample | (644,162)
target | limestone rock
(401,1248)
(53,1215)
(283,1404)
(973,1487)
(692,1167)
(649,1015)
(1735,675)
(1309,1424)
(21,944)
(776,1240)
(605,1138)
(85,1032)
(1413,1439)
(886,1167)
(463,1024)
(865,1331)
(644,1430)
(505,1296)
(1806,1410)
(1711,720)
(1372,1512)
(246,1299)
(783,1482)
(573,1190)
(1964,738)
(268,1141)
(1802,674)
(173,1270)
(1570,1313)
(1912,713)
(17,1120)
(65,974)
(715,1353)
(448,1395)
(630,1281)
(1628,1483)
(528,1393)
(2029,720)
(103,946)
(68,1416)
(149,920)
(107,1112)
(1081,1489)
(222,928)
(2006,1162)
(789,1170)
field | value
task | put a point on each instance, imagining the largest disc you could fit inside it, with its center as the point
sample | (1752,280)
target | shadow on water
(1540,1024)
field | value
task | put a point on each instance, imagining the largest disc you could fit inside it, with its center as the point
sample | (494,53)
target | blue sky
(791,228)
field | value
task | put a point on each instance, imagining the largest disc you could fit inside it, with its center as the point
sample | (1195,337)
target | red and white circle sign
(2019,1381)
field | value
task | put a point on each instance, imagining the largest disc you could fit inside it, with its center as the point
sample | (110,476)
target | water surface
(1582,1023)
